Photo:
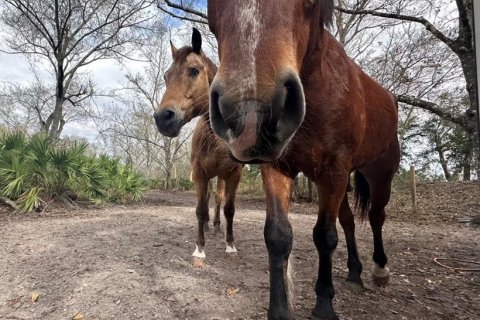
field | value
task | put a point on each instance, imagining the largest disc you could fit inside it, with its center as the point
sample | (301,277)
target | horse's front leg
(279,239)
(231,185)
(331,191)
(220,193)
(202,195)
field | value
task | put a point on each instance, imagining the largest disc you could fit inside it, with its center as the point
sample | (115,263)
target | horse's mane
(322,18)
(326,8)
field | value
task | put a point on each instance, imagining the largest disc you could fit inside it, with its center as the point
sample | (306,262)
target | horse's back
(375,111)
(381,122)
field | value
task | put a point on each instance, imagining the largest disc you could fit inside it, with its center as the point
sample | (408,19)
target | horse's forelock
(182,53)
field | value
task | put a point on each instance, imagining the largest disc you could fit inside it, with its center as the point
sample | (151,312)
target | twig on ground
(9,202)
(437,261)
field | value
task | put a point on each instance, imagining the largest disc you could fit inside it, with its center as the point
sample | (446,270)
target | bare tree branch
(186,9)
(435,109)
(181,17)
(453,44)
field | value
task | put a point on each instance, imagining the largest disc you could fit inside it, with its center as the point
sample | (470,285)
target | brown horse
(188,81)
(287,95)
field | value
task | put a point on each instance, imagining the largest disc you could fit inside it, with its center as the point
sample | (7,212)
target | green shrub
(35,170)
(185,184)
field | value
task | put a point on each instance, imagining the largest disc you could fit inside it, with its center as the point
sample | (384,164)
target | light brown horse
(187,82)
(287,95)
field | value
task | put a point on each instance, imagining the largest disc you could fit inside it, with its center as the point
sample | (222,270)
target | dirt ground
(133,262)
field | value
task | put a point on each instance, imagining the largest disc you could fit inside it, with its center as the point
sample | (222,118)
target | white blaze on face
(249,20)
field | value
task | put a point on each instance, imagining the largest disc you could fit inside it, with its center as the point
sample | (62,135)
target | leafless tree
(452,29)
(68,35)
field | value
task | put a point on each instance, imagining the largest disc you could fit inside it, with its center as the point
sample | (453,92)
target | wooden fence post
(413,188)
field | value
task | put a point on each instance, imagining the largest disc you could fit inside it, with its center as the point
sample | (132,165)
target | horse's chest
(313,155)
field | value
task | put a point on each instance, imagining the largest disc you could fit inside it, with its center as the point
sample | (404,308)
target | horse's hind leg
(202,195)
(376,216)
(345,216)
(220,193)
(379,175)
(231,185)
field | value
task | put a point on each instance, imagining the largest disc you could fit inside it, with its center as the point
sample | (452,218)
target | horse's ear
(196,41)
(172,47)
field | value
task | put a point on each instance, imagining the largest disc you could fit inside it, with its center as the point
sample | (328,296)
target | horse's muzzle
(258,130)
(168,122)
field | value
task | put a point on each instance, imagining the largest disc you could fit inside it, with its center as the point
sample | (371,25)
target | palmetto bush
(35,170)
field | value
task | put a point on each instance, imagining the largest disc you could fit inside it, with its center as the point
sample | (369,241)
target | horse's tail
(362,195)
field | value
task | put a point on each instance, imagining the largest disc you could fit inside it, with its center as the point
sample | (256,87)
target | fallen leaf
(78,316)
(35,296)
(232,291)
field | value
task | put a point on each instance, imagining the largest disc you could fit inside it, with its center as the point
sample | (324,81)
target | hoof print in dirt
(198,262)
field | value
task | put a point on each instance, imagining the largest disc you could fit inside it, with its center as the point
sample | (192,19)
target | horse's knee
(229,209)
(202,212)
(278,238)
(325,237)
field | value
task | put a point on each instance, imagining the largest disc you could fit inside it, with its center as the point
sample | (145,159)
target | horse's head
(257,101)
(187,84)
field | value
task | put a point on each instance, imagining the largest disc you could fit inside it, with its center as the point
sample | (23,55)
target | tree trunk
(310,190)
(467,60)
(467,156)
(443,163)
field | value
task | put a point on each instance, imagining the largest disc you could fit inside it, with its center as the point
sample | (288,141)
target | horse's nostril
(167,115)
(294,94)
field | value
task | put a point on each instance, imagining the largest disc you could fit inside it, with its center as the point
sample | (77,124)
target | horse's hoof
(354,287)
(380,276)
(198,257)
(323,310)
(198,262)
(231,248)
(326,316)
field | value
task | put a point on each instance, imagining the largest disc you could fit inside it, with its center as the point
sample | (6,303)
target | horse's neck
(315,64)
(327,71)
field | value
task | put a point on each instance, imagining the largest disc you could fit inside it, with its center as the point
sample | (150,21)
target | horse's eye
(194,72)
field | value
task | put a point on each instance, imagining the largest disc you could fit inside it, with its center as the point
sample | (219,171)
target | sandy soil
(133,262)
